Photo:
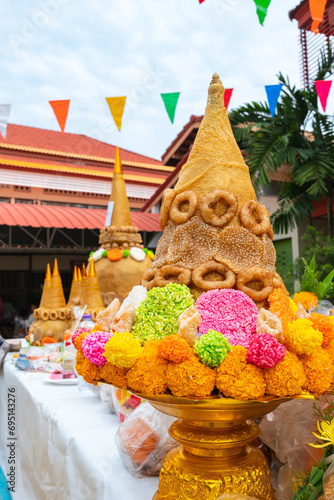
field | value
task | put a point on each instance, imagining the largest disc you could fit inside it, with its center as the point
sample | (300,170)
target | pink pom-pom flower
(230,312)
(265,351)
(93,347)
(78,332)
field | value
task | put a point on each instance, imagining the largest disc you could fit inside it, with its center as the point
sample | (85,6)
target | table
(65,447)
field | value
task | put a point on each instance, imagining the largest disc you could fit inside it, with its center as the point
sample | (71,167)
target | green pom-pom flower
(90,255)
(145,250)
(212,348)
(126,253)
(157,316)
(104,254)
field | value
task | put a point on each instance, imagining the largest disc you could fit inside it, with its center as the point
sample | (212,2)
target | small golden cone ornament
(56,294)
(75,293)
(117,277)
(92,295)
(216,235)
(46,288)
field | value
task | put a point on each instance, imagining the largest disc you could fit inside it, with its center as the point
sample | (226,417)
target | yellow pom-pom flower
(306,299)
(237,379)
(318,371)
(190,378)
(301,337)
(286,378)
(122,350)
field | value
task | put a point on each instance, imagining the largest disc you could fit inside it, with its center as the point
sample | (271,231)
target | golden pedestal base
(215,455)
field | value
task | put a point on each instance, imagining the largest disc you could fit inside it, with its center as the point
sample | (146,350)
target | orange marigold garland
(90,372)
(279,304)
(79,361)
(174,348)
(111,374)
(79,339)
(306,299)
(148,374)
(236,378)
(325,326)
(190,378)
(318,371)
(286,378)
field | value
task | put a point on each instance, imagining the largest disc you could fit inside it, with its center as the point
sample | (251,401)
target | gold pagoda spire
(75,288)
(91,293)
(56,298)
(46,288)
(121,213)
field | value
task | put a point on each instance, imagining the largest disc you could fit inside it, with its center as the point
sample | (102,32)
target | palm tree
(270,142)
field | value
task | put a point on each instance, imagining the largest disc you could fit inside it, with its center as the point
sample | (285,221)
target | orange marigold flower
(79,361)
(325,326)
(190,378)
(97,328)
(48,340)
(90,372)
(330,351)
(111,374)
(279,305)
(174,348)
(306,299)
(237,379)
(148,374)
(318,371)
(286,378)
(79,339)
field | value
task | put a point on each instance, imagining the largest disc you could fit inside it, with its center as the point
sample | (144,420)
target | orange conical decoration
(92,295)
(121,213)
(56,295)
(46,288)
(75,290)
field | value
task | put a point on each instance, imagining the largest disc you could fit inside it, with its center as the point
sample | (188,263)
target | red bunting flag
(227,97)
(201,1)
(317,9)
(323,87)
(60,109)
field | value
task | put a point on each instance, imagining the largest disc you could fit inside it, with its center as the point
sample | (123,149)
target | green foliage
(321,247)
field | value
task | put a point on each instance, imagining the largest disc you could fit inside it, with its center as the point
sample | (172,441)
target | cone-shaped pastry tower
(53,317)
(75,293)
(92,295)
(216,235)
(120,272)
(46,288)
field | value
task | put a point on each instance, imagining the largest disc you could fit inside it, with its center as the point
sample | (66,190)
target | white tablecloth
(65,447)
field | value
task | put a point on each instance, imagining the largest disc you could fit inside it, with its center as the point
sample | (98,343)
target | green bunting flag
(261,9)
(170,102)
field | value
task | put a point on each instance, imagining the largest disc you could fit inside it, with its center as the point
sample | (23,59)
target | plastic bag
(143,441)
(325,307)
(124,403)
(106,396)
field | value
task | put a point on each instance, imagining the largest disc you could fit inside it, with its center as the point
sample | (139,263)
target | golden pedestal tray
(215,455)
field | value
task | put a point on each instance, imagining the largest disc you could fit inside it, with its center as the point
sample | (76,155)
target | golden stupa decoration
(91,295)
(216,234)
(75,298)
(117,277)
(53,317)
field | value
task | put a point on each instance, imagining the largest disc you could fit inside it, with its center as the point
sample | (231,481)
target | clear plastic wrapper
(124,403)
(143,441)
(106,396)
(325,307)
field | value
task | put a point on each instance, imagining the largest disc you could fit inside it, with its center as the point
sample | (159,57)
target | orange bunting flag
(60,109)
(317,9)
(227,97)
(116,106)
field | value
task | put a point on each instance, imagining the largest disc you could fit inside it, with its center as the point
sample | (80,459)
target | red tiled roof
(193,119)
(17,214)
(38,140)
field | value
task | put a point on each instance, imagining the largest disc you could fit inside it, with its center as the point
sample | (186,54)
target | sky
(86,50)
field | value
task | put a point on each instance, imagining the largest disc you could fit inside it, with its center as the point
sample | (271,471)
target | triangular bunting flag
(323,87)
(60,109)
(201,1)
(116,106)
(261,9)
(4,115)
(317,9)
(227,97)
(273,92)
(170,101)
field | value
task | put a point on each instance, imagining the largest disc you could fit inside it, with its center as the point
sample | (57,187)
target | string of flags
(170,100)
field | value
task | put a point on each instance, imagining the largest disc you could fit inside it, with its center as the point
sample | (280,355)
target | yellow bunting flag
(116,106)
(60,109)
